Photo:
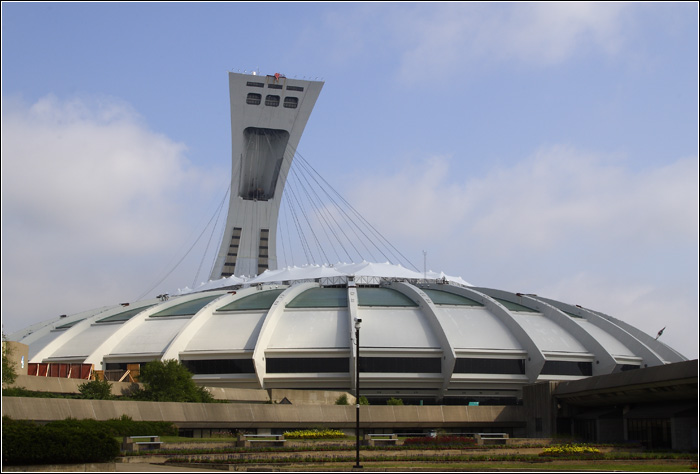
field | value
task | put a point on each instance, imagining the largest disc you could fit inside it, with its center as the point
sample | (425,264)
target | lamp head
(358,321)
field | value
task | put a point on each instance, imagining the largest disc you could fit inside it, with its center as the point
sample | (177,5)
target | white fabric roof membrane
(339,270)
(306,272)
(215,284)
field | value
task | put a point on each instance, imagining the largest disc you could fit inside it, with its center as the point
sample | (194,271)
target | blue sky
(537,147)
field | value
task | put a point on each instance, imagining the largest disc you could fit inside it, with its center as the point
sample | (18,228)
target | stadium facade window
(295,88)
(220,366)
(489,366)
(125,316)
(306,365)
(189,308)
(562,367)
(122,365)
(511,306)
(69,325)
(254,84)
(653,433)
(430,365)
(626,367)
(272,100)
(260,301)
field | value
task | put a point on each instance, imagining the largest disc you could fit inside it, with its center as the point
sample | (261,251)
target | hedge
(123,426)
(71,441)
(27,443)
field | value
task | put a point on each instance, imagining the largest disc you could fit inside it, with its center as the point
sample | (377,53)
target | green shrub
(342,400)
(394,401)
(23,392)
(96,390)
(9,372)
(169,381)
(123,426)
(28,443)
(363,400)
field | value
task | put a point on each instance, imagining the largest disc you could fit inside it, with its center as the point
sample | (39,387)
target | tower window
(255,84)
(232,256)
(263,254)
(295,88)
(253,99)
(272,100)
(291,102)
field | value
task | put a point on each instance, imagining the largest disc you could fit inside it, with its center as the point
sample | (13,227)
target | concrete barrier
(257,416)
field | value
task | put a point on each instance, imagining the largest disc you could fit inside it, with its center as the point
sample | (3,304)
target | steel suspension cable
(367,223)
(302,237)
(321,214)
(302,209)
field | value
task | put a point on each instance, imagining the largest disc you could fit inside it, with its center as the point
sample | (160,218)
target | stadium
(419,336)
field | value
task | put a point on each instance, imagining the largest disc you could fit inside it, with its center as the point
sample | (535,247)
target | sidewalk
(145,467)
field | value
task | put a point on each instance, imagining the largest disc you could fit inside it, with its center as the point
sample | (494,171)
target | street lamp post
(357,393)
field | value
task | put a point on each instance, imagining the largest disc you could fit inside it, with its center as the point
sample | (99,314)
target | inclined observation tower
(268,116)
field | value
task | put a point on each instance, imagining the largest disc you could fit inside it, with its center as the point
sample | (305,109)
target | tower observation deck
(268,117)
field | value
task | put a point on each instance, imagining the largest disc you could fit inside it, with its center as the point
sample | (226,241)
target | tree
(170,381)
(9,375)
(96,390)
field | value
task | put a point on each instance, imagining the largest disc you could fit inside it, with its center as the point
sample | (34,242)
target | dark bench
(381,439)
(247,441)
(141,443)
(491,438)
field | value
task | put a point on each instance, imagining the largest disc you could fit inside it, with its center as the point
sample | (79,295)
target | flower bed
(568,450)
(314,434)
(441,442)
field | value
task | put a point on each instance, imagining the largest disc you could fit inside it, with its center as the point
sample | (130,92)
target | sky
(547,148)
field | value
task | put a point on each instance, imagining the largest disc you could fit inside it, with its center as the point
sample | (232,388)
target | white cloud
(93,203)
(555,195)
(451,38)
(562,223)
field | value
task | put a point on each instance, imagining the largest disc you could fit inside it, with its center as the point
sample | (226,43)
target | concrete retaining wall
(309,397)
(64,385)
(248,416)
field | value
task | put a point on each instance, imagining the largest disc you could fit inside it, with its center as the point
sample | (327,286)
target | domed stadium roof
(294,328)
